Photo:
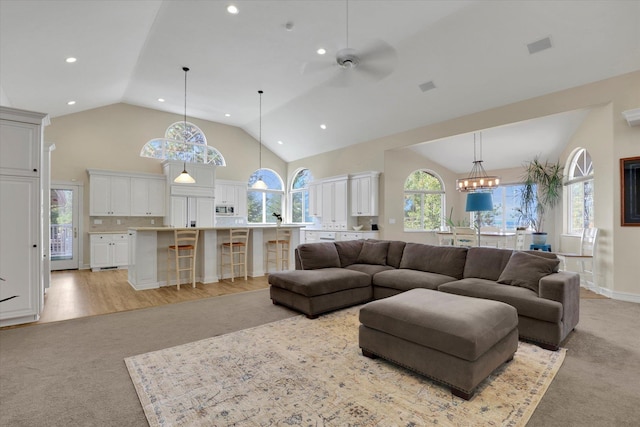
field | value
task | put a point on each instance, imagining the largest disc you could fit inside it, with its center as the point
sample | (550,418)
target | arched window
(579,187)
(183,141)
(423,201)
(299,194)
(263,204)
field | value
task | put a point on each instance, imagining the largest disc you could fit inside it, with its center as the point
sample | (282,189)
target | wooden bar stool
(184,248)
(235,251)
(280,249)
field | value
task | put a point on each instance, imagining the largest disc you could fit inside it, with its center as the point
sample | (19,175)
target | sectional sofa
(334,275)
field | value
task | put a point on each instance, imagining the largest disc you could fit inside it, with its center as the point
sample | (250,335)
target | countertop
(108,232)
(215,228)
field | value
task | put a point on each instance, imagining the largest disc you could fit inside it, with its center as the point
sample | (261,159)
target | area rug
(311,373)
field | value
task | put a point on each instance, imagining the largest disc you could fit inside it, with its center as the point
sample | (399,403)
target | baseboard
(622,296)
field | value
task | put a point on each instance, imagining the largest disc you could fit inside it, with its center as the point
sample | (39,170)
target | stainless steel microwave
(224,210)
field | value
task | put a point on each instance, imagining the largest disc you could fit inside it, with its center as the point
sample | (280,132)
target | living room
(109,135)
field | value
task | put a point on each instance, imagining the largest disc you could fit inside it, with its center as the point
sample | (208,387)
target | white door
(64,228)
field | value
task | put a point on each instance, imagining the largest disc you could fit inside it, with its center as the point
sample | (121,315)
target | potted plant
(541,192)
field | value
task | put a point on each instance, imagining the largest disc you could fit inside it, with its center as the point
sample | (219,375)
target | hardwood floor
(80,293)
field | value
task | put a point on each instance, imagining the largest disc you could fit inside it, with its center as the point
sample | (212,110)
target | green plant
(451,223)
(541,191)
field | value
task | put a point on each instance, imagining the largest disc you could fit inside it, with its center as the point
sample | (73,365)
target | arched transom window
(299,196)
(579,187)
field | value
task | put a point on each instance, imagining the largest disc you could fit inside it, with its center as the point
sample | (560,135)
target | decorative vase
(539,238)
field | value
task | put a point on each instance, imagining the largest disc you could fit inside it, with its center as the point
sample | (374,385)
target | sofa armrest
(563,287)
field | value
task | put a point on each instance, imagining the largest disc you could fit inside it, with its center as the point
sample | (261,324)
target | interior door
(64,228)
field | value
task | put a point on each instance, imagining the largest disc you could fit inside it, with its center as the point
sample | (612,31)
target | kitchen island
(148,252)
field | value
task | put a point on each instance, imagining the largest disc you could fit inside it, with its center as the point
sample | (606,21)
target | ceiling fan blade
(315,67)
(378,52)
(342,78)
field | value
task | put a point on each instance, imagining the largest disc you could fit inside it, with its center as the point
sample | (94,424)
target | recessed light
(160,99)
(71,60)
(232,9)
(280,142)
(227,115)
(71,103)
(321,51)
(323,126)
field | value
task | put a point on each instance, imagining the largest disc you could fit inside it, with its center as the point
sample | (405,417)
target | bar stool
(184,248)
(280,248)
(235,250)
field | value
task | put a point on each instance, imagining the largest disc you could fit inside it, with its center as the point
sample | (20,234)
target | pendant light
(478,178)
(184,177)
(260,184)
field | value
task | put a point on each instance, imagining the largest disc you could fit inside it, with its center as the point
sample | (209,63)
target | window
(505,203)
(579,187)
(300,196)
(423,201)
(262,204)
(183,141)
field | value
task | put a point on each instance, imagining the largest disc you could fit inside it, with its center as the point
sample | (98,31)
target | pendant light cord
(185,69)
(347,6)
(260,132)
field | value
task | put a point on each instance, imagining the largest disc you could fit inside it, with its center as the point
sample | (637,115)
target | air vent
(539,45)
(427,86)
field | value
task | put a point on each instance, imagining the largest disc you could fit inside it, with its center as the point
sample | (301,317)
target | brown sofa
(334,275)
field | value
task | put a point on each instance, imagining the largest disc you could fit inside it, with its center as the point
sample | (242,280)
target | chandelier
(478,178)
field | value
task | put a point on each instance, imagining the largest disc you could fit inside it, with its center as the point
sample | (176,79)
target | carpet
(298,371)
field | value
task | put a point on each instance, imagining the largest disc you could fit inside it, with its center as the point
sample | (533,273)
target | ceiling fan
(375,61)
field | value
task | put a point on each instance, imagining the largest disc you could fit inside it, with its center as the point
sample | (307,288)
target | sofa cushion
(370,269)
(547,255)
(486,263)
(348,250)
(373,253)
(318,255)
(312,283)
(394,256)
(526,270)
(405,279)
(434,259)
(525,301)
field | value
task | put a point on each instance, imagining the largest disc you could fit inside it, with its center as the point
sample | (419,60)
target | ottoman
(456,340)
(314,292)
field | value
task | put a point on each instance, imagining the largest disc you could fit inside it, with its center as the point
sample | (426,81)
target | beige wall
(610,138)
(111,138)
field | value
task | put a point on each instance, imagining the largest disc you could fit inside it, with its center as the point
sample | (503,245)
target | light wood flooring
(81,293)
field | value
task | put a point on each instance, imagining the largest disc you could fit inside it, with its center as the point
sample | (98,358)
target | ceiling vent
(427,86)
(537,46)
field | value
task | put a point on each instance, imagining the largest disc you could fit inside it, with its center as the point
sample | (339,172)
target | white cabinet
(21,241)
(232,194)
(148,196)
(357,235)
(109,195)
(187,210)
(109,250)
(364,194)
(335,203)
(315,199)
(203,174)
(143,259)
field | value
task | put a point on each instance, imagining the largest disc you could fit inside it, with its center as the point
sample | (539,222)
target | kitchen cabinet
(364,193)
(185,211)
(357,235)
(109,193)
(21,243)
(335,203)
(109,250)
(232,194)
(315,199)
(143,258)
(148,196)
(203,174)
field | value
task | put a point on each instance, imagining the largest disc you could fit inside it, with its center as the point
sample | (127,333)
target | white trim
(621,296)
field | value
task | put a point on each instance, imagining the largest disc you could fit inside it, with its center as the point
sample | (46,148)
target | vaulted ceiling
(421,62)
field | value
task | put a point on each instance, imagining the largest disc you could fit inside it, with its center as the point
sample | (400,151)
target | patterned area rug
(311,373)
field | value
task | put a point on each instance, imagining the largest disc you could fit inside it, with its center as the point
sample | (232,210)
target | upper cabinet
(232,194)
(205,176)
(315,199)
(364,193)
(148,196)
(335,203)
(23,160)
(115,193)
(110,194)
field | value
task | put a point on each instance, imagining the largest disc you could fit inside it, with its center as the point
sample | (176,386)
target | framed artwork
(630,191)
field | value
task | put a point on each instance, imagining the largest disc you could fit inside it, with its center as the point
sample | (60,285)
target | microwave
(224,210)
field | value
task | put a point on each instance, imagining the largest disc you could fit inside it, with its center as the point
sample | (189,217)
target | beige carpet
(311,372)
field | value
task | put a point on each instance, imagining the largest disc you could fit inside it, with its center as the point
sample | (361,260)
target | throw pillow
(526,270)
(373,253)
(348,251)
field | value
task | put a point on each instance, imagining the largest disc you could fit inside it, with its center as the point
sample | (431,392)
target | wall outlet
(392,220)
(118,222)
(153,221)
(97,221)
